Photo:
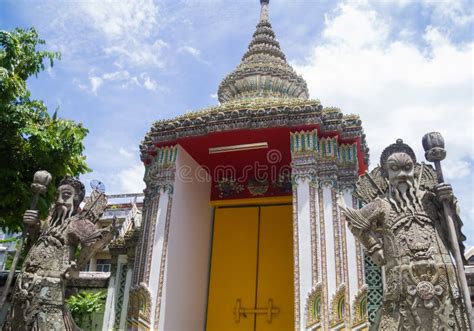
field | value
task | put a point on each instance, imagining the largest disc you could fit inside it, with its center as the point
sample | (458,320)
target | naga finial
(264,10)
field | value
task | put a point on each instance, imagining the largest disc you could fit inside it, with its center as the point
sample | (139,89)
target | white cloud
(400,89)
(148,83)
(137,53)
(458,169)
(354,27)
(96,83)
(396,88)
(119,19)
(190,50)
(121,171)
(127,27)
(131,179)
(454,12)
(126,153)
(122,33)
(121,77)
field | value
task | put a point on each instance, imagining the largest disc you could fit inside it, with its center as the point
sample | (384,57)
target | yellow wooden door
(275,268)
(251,282)
(233,268)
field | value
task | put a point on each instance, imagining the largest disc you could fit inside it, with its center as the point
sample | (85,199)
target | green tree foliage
(30,138)
(84,304)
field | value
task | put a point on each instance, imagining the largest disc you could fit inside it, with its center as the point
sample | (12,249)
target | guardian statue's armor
(403,229)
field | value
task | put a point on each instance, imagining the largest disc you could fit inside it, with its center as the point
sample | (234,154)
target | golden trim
(238,148)
(312,317)
(337,315)
(296,259)
(287,199)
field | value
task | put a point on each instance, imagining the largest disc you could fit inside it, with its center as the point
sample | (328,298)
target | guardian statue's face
(64,207)
(66,194)
(400,169)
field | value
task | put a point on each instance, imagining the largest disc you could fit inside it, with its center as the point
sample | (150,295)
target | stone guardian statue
(58,248)
(403,229)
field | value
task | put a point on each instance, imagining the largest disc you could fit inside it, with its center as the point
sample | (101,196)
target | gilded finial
(264,10)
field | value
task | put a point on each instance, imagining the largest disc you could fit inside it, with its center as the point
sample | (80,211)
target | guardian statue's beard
(62,212)
(403,196)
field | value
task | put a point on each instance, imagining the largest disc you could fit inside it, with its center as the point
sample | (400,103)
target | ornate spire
(263,71)
(264,10)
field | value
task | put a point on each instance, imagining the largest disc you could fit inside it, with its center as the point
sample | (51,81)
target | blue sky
(406,67)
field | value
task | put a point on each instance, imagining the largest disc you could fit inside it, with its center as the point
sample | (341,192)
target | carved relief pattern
(307,143)
(373,278)
(255,114)
(345,271)
(337,313)
(159,178)
(296,273)
(163,263)
(426,288)
(337,238)
(313,306)
(314,235)
(314,158)
(150,241)
(150,205)
(122,277)
(359,307)
(139,309)
(324,294)
(359,252)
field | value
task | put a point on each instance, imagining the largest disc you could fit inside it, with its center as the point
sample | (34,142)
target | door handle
(269,311)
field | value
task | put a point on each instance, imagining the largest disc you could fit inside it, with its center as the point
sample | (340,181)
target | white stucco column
(351,249)
(109,313)
(305,241)
(303,256)
(128,282)
(115,294)
(327,214)
(158,257)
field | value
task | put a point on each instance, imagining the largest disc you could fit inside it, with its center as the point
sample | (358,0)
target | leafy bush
(84,304)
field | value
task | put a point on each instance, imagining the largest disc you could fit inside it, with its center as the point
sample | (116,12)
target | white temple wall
(185,283)
(109,314)
(304,246)
(351,252)
(318,240)
(329,236)
(128,283)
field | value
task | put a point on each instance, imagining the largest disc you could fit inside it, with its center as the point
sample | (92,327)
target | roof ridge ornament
(264,10)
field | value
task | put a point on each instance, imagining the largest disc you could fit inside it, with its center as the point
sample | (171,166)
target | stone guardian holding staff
(58,249)
(403,228)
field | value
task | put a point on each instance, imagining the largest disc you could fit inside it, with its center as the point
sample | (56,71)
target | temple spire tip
(264,10)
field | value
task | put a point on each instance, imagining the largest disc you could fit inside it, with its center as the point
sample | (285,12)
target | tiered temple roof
(263,71)
(262,92)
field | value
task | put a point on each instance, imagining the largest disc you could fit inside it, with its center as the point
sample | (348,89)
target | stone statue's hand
(444,192)
(31,217)
(72,271)
(378,257)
